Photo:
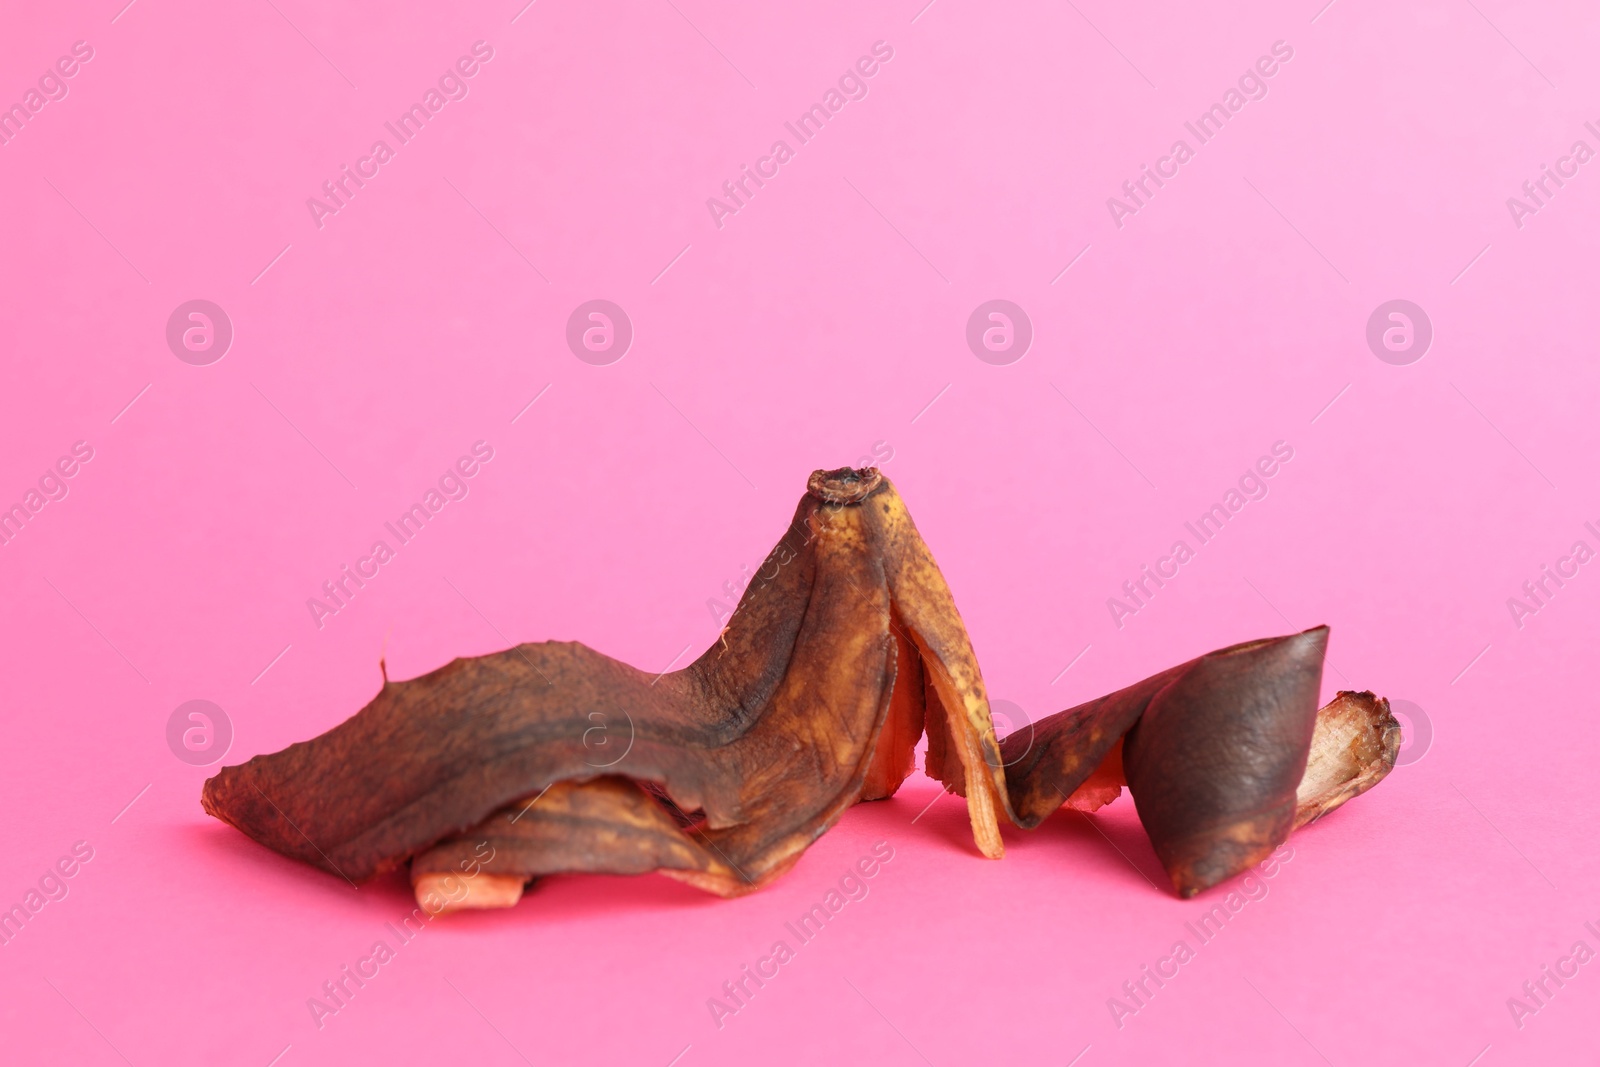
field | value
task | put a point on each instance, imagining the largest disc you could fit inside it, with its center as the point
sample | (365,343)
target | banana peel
(849,631)
(844,651)
(1224,755)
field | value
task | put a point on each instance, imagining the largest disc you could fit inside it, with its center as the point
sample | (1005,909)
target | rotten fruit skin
(842,653)
(1215,752)
(1214,762)
(766,739)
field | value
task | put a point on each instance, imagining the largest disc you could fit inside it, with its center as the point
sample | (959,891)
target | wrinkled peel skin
(608,825)
(842,653)
(767,738)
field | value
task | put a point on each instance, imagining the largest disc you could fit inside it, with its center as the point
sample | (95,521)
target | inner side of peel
(983,802)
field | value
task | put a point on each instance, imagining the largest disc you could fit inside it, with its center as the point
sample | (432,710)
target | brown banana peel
(767,738)
(843,652)
(1224,755)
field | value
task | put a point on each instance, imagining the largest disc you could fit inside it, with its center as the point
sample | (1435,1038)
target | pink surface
(824,321)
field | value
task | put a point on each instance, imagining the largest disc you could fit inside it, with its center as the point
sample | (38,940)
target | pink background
(822,318)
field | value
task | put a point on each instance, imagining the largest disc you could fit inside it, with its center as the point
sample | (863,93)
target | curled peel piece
(1225,755)
(1354,746)
(609,825)
(1214,762)
(848,636)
